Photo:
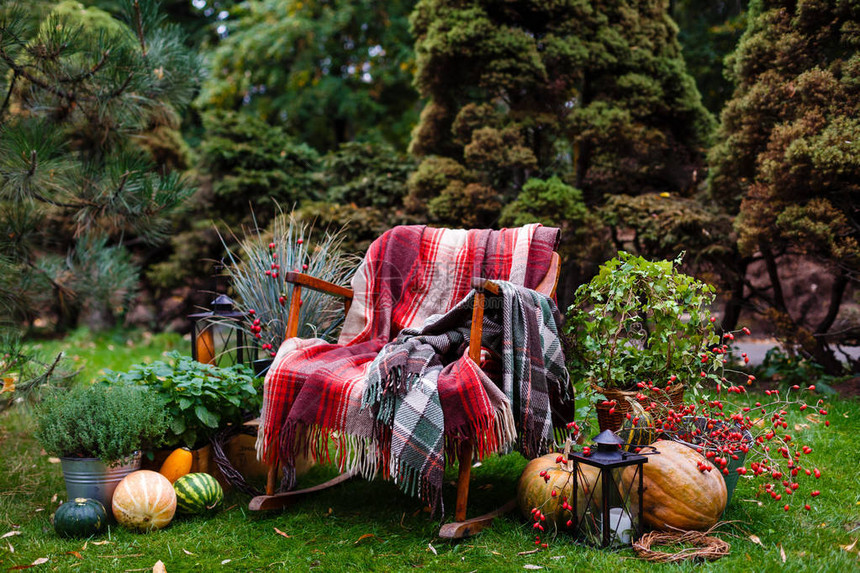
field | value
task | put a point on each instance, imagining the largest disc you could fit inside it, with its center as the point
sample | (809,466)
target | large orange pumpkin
(144,500)
(534,491)
(676,493)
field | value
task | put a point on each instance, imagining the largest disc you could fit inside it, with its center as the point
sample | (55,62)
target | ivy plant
(639,321)
(200,399)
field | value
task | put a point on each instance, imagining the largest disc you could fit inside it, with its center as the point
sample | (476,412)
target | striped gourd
(640,433)
(144,500)
(197,493)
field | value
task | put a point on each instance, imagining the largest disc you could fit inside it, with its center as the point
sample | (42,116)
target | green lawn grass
(115,350)
(373,526)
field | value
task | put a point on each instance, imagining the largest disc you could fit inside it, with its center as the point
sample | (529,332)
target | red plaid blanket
(313,391)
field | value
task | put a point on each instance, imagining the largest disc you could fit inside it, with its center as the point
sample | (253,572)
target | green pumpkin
(80,517)
(642,434)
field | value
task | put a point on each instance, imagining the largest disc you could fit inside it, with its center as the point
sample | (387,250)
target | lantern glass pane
(216,344)
(607,505)
(588,505)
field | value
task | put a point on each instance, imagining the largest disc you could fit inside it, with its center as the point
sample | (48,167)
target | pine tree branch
(139,25)
(119,189)
(89,73)
(122,88)
(34,161)
(8,94)
(21,71)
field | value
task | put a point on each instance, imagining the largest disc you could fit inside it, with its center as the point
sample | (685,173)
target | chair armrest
(316,284)
(485,286)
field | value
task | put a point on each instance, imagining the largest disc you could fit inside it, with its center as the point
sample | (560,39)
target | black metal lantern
(217,336)
(607,510)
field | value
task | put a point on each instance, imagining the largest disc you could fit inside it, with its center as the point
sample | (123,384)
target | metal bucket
(91,478)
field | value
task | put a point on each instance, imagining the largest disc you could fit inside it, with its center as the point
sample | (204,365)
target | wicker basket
(613,421)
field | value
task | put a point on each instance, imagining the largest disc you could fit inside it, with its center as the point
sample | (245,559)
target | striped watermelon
(197,493)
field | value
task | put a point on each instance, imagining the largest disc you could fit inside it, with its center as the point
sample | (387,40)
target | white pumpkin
(143,501)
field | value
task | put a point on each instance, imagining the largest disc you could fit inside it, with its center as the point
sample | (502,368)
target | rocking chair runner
(483,289)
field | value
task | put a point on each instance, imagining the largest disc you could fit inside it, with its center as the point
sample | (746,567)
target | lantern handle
(642,450)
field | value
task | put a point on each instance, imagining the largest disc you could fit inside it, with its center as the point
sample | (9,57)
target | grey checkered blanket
(427,393)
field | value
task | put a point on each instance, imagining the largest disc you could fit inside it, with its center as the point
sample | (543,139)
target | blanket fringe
(411,482)
(361,454)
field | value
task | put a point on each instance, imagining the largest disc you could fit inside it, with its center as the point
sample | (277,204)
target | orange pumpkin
(177,464)
(143,501)
(676,493)
(534,491)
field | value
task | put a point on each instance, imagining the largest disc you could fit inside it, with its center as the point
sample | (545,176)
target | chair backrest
(549,282)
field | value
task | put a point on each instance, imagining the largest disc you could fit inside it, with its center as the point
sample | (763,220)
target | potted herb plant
(639,322)
(198,399)
(98,433)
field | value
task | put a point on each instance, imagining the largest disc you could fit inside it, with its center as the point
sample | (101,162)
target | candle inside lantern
(620,524)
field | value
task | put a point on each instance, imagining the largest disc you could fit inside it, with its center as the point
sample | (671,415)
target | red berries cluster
(723,433)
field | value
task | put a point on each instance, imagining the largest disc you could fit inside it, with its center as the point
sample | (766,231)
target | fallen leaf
(281,533)
(782,553)
(101,542)
(329,512)
(53,460)
(558,556)
(226,561)
(75,553)
(185,551)
(528,552)
(11,549)
(54,498)
(433,549)
(10,534)
(497,553)
(813,418)
(486,486)
(754,501)
(363,537)
(849,548)
(532,567)
(798,427)
(755,539)
(159,567)
(84,548)
(38,509)
(40,561)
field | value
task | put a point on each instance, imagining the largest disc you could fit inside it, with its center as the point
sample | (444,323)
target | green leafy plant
(100,421)
(257,278)
(786,370)
(640,321)
(198,399)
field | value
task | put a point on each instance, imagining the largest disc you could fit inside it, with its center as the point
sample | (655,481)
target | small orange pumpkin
(177,464)
(677,494)
(534,491)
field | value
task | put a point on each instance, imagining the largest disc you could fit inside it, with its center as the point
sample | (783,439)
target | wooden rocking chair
(461,527)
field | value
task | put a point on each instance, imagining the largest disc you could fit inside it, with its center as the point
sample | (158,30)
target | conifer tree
(788,160)
(82,92)
(327,71)
(594,91)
